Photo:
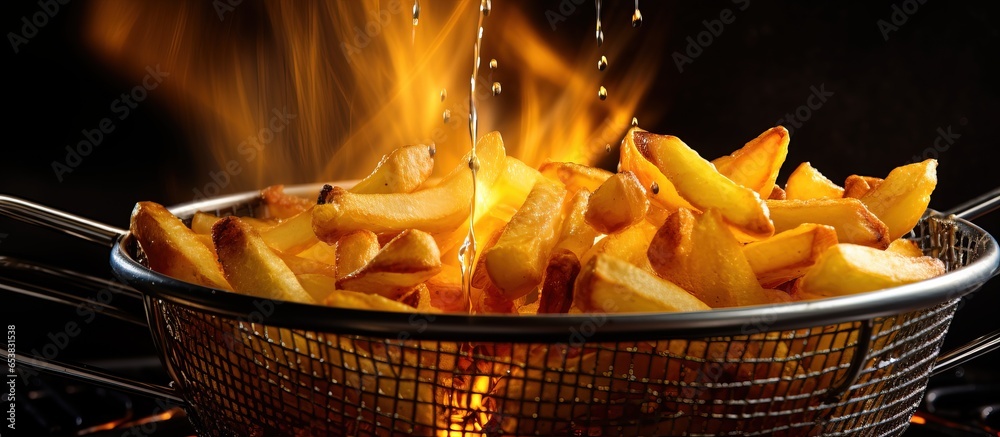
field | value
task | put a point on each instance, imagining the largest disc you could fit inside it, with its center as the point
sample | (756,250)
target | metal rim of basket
(549,328)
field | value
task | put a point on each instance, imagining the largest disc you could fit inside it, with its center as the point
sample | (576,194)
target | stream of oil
(467,252)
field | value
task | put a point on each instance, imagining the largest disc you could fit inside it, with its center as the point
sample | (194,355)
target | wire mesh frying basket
(854,364)
(751,374)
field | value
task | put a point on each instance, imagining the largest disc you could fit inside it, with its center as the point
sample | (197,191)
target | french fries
(901,199)
(853,221)
(401,171)
(405,262)
(756,165)
(251,267)
(808,183)
(789,254)
(173,249)
(611,285)
(618,203)
(849,269)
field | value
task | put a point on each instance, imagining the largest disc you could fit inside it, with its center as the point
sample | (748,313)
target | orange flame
(356,80)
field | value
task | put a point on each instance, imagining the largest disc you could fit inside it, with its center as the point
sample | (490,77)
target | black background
(938,70)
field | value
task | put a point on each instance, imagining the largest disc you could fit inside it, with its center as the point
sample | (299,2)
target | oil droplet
(416,11)
(636,16)
(444,94)
(493,64)
(446,115)
(602,93)
(635,122)
(485,7)
(607,148)
(474,163)
(496,88)
(602,63)
(600,36)
(655,188)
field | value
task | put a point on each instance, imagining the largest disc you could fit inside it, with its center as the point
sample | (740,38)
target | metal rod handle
(71,224)
(973,349)
(977,207)
(97,376)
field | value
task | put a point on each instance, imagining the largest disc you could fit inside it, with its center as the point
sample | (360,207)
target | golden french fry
(853,221)
(575,176)
(857,186)
(757,163)
(441,208)
(363,301)
(808,183)
(250,265)
(618,203)
(611,285)
(300,266)
(787,255)
(556,295)
(849,268)
(576,235)
(401,171)
(697,181)
(513,185)
(174,250)
(629,245)
(201,223)
(702,256)
(292,235)
(445,290)
(903,197)
(283,205)
(409,259)
(480,276)
(354,251)
(659,189)
(516,263)
(905,248)
(317,285)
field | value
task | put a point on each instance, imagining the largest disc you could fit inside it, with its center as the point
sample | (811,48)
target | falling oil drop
(655,188)
(607,148)
(635,122)
(446,115)
(485,7)
(636,16)
(444,94)
(496,88)
(600,31)
(602,93)
(416,11)
(602,63)
(493,64)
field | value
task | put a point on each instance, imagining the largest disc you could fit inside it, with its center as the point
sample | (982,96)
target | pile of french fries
(670,231)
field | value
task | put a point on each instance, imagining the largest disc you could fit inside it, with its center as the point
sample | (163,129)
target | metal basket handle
(48,283)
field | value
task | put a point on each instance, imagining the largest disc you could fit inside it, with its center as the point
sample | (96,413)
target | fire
(470,412)
(279,92)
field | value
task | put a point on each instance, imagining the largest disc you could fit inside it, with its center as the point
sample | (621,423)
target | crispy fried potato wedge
(281,205)
(702,256)
(517,262)
(401,171)
(854,223)
(629,245)
(611,285)
(575,176)
(250,265)
(174,250)
(777,194)
(905,248)
(787,255)
(556,295)
(317,285)
(757,163)
(480,276)
(441,208)
(355,250)
(576,235)
(363,301)
(409,259)
(806,182)
(618,203)
(300,266)
(849,268)
(857,186)
(697,181)
(903,197)
(513,185)
(661,192)
(292,235)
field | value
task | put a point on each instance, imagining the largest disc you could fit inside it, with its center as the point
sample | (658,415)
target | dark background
(938,70)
